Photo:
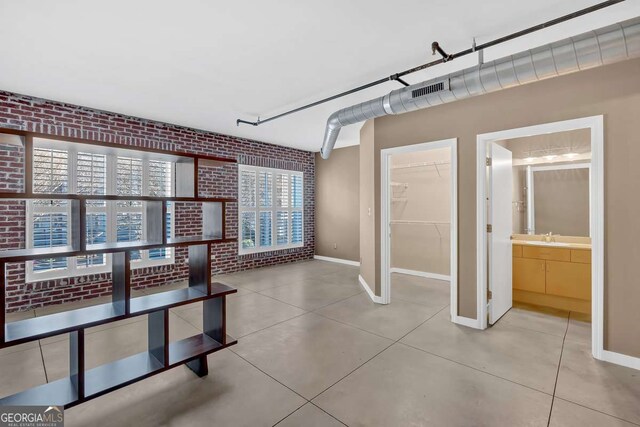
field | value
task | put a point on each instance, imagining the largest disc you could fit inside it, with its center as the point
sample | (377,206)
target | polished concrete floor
(315,351)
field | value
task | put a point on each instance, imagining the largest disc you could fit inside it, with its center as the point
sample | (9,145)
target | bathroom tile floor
(315,351)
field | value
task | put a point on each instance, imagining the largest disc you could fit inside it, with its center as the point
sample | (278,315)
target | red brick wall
(54,118)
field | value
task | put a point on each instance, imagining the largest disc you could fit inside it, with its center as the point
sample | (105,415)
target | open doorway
(540,222)
(419,220)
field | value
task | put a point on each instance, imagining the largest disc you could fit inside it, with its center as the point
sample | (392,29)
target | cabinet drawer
(529,275)
(569,279)
(517,251)
(538,252)
(581,255)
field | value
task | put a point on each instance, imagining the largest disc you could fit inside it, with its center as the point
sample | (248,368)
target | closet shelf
(400,184)
(422,165)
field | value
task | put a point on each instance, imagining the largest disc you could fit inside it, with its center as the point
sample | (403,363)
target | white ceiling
(205,63)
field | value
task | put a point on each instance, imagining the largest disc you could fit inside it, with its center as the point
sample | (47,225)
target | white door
(500,216)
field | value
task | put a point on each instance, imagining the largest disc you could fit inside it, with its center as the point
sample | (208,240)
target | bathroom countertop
(567,245)
(559,241)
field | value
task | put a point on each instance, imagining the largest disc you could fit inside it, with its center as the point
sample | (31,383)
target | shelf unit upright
(84,384)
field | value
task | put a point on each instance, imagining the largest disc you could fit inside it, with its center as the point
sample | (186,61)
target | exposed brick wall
(54,118)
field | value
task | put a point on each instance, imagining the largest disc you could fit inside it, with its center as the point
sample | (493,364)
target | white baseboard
(621,359)
(338,260)
(420,273)
(466,321)
(372,295)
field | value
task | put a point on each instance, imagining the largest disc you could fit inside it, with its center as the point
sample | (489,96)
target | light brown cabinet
(545,252)
(557,277)
(529,275)
(568,279)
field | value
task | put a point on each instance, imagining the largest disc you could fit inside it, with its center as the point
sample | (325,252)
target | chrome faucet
(548,237)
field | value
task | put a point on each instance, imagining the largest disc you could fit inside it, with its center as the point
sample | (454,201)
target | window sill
(43,277)
(252,251)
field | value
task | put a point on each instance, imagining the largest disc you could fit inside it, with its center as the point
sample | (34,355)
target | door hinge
(489,161)
(489,295)
(489,228)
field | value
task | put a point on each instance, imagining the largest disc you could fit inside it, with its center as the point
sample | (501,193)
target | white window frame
(111,209)
(273,209)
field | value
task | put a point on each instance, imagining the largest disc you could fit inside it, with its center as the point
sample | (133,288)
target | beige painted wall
(561,201)
(613,91)
(421,193)
(338,204)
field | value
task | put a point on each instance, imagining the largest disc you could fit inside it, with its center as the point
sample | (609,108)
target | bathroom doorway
(540,218)
(419,221)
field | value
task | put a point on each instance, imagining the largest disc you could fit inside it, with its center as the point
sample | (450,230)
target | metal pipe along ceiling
(606,45)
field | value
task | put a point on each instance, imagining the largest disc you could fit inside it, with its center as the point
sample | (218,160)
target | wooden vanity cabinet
(568,279)
(556,277)
(529,275)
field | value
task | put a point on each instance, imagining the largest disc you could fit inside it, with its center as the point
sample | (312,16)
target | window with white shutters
(78,171)
(160,184)
(271,204)
(48,223)
(91,179)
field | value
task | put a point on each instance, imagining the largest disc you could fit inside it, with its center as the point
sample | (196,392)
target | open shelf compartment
(58,323)
(122,372)
(118,374)
(198,345)
(58,393)
(175,298)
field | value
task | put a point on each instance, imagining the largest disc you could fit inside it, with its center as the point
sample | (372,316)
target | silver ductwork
(607,45)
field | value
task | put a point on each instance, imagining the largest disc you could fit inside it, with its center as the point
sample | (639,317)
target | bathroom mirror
(559,200)
(551,174)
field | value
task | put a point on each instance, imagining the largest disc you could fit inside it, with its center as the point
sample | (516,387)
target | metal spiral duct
(604,46)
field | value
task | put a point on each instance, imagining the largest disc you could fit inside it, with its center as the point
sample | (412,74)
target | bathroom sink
(538,243)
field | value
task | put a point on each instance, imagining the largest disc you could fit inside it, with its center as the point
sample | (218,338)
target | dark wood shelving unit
(85,384)
(109,197)
(121,373)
